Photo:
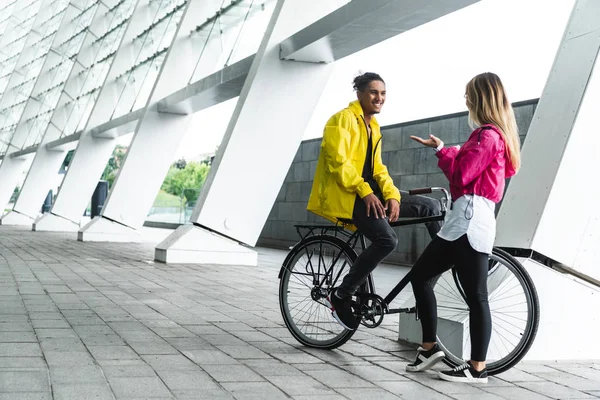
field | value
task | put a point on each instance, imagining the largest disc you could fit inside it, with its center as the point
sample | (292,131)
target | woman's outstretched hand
(433,141)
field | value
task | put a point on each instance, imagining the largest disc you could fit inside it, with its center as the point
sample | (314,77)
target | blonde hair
(488,104)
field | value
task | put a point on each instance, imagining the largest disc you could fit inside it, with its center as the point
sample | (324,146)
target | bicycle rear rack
(312,230)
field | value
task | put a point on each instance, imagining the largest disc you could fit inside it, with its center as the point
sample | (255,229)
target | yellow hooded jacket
(338,177)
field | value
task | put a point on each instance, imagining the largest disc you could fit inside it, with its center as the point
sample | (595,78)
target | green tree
(13,197)
(186,182)
(181,163)
(67,160)
(114,164)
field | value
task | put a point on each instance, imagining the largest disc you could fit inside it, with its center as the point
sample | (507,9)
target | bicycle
(515,313)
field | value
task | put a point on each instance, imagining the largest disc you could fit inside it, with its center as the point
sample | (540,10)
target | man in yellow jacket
(351,182)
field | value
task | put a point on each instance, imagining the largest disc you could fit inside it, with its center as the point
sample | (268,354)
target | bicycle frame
(352,239)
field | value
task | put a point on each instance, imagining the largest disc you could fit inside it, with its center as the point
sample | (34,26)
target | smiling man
(351,182)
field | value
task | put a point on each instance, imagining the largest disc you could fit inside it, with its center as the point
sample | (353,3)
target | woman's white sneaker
(465,373)
(426,359)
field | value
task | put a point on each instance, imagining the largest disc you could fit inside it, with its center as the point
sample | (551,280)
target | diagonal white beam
(216,88)
(361,24)
(337,35)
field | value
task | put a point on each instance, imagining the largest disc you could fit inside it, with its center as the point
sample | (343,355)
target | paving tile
(81,374)
(62,344)
(254,390)
(143,387)
(514,392)
(373,373)
(412,390)
(272,367)
(209,357)
(192,343)
(582,371)
(20,350)
(103,340)
(300,385)
(296,358)
(50,323)
(243,352)
(368,394)
(252,336)
(113,353)
(24,381)
(232,373)
(17,337)
(22,363)
(26,396)
(206,394)
(517,375)
(133,369)
(168,362)
(571,381)
(70,358)
(152,347)
(188,380)
(93,391)
(337,378)
(50,333)
(96,321)
(554,390)
(476,396)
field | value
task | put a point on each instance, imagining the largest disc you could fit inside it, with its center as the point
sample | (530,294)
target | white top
(475,216)
(471,214)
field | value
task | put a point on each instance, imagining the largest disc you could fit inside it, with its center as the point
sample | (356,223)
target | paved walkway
(103,321)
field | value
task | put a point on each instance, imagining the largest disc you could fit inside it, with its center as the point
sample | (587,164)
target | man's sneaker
(341,309)
(426,359)
(465,373)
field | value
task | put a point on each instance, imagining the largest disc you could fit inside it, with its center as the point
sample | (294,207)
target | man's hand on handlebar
(374,206)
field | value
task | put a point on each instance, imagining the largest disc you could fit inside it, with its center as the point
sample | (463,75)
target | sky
(426,69)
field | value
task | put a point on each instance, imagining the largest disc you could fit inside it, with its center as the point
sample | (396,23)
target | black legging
(472,267)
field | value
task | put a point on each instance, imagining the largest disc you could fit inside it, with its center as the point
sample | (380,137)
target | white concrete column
(550,207)
(549,211)
(87,165)
(46,163)
(93,151)
(247,172)
(11,169)
(157,135)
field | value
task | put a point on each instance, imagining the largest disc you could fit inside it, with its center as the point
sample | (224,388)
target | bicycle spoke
(316,267)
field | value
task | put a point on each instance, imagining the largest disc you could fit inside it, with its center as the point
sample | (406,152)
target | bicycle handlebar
(413,192)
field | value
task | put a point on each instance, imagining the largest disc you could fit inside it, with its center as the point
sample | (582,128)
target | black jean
(472,269)
(382,237)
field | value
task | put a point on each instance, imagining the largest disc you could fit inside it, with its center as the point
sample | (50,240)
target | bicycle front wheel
(514,306)
(315,266)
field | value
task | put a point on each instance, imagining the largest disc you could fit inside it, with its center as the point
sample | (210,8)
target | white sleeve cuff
(440,146)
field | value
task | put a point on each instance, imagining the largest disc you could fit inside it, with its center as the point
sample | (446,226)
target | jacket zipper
(374,148)
(373,156)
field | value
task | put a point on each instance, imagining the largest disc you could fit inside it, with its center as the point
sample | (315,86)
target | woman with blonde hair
(476,172)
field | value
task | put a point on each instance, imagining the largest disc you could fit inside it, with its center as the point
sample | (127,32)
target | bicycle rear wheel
(316,265)
(514,307)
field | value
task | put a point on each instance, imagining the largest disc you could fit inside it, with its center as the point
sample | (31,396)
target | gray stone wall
(410,165)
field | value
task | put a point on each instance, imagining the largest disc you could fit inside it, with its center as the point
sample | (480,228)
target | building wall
(410,165)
